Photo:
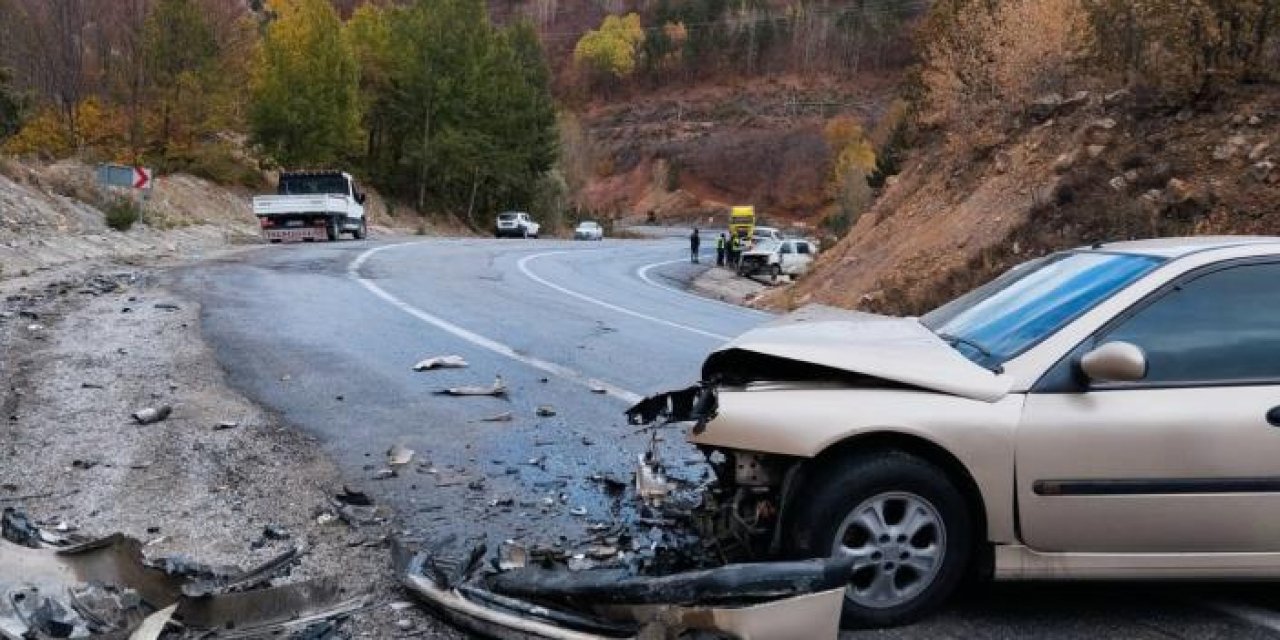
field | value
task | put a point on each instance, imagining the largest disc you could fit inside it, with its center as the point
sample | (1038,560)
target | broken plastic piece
(652,486)
(498,388)
(440,362)
(150,415)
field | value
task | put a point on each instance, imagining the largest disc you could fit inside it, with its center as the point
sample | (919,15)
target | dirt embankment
(53,215)
(691,151)
(1105,167)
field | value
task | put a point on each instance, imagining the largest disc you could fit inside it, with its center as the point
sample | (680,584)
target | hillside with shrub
(1042,126)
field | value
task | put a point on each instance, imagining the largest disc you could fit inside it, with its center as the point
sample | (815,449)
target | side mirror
(1115,362)
(359,198)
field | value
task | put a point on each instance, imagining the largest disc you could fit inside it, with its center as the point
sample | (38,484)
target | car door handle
(1273,416)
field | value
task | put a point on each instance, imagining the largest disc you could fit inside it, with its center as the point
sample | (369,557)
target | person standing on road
(720,248)
(694,242)
(735,251)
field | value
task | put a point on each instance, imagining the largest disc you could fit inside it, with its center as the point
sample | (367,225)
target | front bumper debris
(695,404)
(775,600)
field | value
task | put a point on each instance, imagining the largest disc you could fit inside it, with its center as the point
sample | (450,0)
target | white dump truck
(312,205)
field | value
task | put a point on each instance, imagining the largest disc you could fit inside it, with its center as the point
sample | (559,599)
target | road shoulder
(80,351)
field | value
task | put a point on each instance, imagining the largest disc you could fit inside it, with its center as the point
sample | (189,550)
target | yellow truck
(742,221)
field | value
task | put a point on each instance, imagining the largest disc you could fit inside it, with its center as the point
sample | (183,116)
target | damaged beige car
(1104,413)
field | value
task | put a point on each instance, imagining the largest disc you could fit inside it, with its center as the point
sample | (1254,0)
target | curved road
(326,335)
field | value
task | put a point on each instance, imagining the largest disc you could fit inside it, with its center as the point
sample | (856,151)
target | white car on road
(777,258)
(588,230)
(515,224)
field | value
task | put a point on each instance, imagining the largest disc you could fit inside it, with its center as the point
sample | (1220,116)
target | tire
(775,272)
(524,233)
(363,231)
(895,485)
(333,231)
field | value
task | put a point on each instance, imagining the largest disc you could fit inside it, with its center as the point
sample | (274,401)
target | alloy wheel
(898,540)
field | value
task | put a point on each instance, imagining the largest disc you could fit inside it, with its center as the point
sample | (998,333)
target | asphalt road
(326,335)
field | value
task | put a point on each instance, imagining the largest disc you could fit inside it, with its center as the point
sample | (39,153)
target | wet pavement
(327,335)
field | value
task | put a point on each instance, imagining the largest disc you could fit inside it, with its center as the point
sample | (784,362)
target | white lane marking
(523,265)
(643,274)
(1259,616)
(552,368)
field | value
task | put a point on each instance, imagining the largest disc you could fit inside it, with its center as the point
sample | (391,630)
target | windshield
(1014,312)
(312,185)
(766,246)
(588,225)
(506,217)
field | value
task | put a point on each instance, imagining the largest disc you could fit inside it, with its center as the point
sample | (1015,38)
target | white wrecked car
(1103,413)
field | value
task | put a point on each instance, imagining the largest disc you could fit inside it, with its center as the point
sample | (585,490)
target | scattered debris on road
(497,389)
(545,411)
(225,424)
(81,587)
(151,415)
(399,455)
(505,416)
(440,362)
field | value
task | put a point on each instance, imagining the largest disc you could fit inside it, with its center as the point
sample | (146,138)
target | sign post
(138,179)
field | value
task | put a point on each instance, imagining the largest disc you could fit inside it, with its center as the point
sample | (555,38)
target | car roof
(1178,247)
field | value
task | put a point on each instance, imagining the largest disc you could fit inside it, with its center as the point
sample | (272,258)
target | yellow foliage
(99,128)
(43,135)
(612,48)
(854,159)
(850,145)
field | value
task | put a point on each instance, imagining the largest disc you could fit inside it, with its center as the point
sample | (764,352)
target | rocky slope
(1099,166)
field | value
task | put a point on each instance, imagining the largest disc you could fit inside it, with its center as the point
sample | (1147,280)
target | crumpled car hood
(899,350)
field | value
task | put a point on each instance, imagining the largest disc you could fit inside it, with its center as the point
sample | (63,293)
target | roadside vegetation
(428,101)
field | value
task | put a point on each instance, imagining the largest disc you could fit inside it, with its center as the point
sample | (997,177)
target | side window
(1223,326)
(786,247)
(802,248)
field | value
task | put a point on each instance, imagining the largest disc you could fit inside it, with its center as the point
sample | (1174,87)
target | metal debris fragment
(440,362)
(545,411)
(505,416)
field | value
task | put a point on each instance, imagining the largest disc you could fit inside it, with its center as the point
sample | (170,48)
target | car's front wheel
(905,523)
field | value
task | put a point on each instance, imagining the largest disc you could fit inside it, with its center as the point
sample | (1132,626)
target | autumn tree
(179,49)
(611,50)
(853,159)
(369,35)
(304,107)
